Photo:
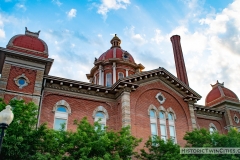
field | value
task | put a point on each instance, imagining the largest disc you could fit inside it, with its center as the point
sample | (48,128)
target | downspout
(40,103)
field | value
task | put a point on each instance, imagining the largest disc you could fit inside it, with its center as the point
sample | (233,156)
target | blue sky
(77,31)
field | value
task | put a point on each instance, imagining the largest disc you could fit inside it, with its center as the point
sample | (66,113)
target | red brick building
(152,102)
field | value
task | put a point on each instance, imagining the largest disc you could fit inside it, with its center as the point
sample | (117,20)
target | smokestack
(179,60)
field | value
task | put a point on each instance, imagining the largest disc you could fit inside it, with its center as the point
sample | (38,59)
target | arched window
(100,114)
(153,122)
(101,118)
(162,120)
(61,117)
(62,110)
(120,75)
(172,126)
(109,79)
(212,128)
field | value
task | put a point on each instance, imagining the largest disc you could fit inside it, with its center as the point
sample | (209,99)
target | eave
(20,55)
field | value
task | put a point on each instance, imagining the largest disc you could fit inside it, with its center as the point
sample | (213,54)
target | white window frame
(211,125)
(162,122)
(153,120)
(104,111)
(171,123)
(61,115)
(101,121)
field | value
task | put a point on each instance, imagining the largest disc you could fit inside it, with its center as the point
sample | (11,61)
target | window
(61,116)
(236,119)
(161,115)
(212,128)
(120,75)
(172,127)
(160,97)
(162,120)
(109,79)
(21,81)
(101,118)
(163,132)
(153,122)
(172,133)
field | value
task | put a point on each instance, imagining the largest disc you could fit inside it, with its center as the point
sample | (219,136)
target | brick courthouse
(152,102)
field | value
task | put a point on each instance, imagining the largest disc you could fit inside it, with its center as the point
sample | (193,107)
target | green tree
(158,149)
(203,138)
(91,142)
(24,141)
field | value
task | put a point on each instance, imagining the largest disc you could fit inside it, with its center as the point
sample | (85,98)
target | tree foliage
(24,141)
(158,149)
(203,138)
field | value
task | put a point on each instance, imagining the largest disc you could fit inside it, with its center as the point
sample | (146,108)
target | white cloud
(212,49)
(72,13)
(57,2)
(158,37)
(2,33)
(137,39)
(21,6)
(108,5)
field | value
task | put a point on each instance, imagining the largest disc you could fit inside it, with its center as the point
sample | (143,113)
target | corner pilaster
(125,101)
(192,116)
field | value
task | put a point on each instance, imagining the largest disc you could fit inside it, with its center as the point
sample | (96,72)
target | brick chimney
(179,60)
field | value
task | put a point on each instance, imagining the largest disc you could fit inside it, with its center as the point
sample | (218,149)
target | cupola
(218,94)
(28,43)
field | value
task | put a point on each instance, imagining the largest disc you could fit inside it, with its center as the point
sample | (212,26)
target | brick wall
(80,108)
(143,97)
(17,71)
(232,115)
(220,124)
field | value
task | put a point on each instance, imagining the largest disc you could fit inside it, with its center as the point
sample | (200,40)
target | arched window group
(62,111)
(166,122)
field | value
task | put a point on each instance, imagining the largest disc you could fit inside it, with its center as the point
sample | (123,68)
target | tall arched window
(153,122)
(120,75)
(101,118)
(61,117)
(109,79)
(172,126)
(100,114)
(163,129)
(62,110)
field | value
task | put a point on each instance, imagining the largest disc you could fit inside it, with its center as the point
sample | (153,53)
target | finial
(34,34)
(115,35)
(217,84)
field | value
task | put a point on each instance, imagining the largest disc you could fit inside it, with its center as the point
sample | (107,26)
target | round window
(160,97)
(21,81)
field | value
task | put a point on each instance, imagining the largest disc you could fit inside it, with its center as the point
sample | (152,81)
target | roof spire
(115,41)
